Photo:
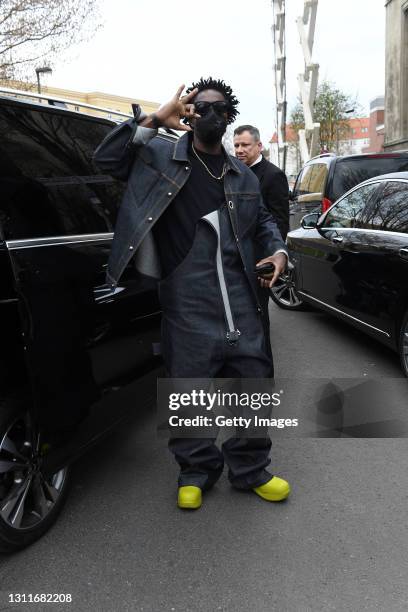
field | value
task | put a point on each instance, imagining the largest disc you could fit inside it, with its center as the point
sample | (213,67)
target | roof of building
(376,103)
(290,134)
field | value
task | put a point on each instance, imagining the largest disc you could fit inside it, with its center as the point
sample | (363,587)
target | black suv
(325,178)
(74,354)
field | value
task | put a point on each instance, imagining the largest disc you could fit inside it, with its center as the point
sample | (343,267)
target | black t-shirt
(201,194)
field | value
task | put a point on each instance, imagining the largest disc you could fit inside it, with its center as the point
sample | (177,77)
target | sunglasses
(220,107)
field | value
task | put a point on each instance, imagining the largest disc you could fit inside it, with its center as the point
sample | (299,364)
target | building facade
(376,126)
(357,137)
(112,102)
(396,75)
(293,159)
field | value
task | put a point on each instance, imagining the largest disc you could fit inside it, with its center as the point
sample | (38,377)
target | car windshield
(350,172)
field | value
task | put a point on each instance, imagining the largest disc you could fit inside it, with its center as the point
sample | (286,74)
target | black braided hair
(220,86)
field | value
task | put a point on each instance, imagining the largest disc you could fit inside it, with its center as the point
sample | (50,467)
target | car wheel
(30,499)
(403,344)
(284,294)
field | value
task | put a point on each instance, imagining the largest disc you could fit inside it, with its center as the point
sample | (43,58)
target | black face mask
(210,128)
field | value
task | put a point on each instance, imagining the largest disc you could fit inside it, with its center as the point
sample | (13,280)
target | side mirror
(310,221)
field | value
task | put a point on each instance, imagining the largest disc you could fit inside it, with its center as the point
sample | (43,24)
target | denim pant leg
(263,299)
(201,462)
(247,459)
(192,355)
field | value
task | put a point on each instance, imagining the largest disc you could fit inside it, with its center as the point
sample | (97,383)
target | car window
(48,181)
(347,211)
(318,178)
(302,184)
(350,172)
(296,186)
(390,211)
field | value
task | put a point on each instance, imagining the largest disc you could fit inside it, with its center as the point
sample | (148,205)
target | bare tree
(31,30)
(332,110)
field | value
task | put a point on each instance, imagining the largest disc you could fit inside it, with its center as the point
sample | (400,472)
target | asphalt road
(339,543)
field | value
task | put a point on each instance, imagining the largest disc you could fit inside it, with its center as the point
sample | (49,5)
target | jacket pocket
(247,211)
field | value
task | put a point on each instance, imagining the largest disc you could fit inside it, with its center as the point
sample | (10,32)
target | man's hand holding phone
(270,268)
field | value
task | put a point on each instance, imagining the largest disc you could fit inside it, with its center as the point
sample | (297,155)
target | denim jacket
(156,167)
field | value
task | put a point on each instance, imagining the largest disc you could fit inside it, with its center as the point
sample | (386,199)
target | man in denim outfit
(192,215)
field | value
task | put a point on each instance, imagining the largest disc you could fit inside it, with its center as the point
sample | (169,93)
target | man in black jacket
(274,184)
(275,193)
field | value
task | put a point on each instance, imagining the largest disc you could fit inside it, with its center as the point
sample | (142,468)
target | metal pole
(38,82)
(285,147)
(279,42)
(308,138)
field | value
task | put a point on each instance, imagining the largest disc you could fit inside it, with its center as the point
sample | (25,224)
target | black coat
(275,193)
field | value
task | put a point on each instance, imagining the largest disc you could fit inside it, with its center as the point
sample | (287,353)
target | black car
(353,261)
(74,354)
(325,178)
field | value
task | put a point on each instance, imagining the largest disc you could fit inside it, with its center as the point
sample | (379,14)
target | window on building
(364,130)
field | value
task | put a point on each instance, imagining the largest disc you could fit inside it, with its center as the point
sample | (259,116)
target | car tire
(284,294)
(403,344)
(30,500)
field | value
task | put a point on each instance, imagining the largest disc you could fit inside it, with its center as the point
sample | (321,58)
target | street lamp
(42,70)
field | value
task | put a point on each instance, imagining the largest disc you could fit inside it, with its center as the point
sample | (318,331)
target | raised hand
(179,107)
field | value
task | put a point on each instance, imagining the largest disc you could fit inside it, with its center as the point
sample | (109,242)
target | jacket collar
(181,153)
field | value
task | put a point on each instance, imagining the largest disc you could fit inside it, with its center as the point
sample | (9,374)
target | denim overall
(211,328)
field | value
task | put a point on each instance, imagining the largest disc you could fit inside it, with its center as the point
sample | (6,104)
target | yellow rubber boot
(275,489)
(189,497)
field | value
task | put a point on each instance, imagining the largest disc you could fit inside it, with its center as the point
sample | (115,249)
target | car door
(58,217)
(324,250)
(374,278)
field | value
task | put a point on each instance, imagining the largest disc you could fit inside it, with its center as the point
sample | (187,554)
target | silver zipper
(232,334)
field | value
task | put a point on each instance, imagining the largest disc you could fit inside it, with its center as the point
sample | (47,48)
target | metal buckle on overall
(233,336)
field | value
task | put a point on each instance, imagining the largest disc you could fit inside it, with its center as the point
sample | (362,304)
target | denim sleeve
(118,149)
(267,233)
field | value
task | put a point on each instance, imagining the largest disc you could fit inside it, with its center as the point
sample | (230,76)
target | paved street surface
(339,543)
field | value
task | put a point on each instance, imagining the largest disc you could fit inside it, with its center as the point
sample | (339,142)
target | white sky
(146,48)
